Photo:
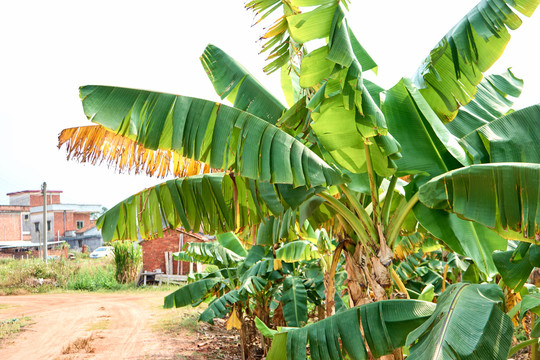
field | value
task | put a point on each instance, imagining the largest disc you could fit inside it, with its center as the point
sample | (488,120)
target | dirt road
(85,326)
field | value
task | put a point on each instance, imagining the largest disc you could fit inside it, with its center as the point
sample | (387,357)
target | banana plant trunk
(244,335)
(365,274)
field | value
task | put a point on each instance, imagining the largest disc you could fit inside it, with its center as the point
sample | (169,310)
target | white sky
(50,48)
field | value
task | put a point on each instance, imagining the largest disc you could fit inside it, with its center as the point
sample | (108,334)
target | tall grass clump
(128,260)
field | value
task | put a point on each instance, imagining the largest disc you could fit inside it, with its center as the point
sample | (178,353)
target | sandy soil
(111,326)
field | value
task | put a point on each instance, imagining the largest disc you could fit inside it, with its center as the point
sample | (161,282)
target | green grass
(23,276)
(93,275)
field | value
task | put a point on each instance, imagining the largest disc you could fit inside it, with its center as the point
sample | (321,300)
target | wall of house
(37,200)
(154,252)
(36,236)
(84,217)
(33,199)
(10,226)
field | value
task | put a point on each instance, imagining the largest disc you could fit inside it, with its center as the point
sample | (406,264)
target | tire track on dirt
(60,319)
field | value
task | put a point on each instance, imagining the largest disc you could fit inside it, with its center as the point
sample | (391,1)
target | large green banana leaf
(297,251)
(234,82)
(427,146)
(503,196)
(467,324)
(231,242)
(294,301)
(278,229)
(191,293)
(219,202)
(220,307)
(219,135)
(211,252)
(464,237)
(490,103)
(386,325)
(515,266)
(448,77)
(511,138)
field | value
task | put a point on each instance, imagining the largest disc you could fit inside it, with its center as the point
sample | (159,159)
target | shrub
(128,261)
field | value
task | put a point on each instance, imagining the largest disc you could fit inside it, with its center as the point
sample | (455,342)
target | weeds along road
(82,325)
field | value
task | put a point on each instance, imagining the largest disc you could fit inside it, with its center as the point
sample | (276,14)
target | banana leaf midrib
(446,321)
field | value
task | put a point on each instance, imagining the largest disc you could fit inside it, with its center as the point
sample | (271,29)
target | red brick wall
(10,226)
(59,223)
(154,252)
(85,217)
(70,224)
(37,200)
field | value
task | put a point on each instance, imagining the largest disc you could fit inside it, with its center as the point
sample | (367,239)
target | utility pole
(44,191)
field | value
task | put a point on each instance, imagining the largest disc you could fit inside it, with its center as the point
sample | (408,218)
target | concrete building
(22,219)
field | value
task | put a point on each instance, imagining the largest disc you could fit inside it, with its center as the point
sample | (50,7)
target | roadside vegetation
(128,260)
(23,276)
(11,327)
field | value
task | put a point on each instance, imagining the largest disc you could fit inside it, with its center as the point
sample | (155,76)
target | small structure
(157,253)
(21,222)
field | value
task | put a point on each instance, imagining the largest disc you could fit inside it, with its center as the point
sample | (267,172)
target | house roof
(33,191)
(14,208)
(82,208)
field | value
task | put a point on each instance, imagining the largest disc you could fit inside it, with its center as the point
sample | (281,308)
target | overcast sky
(50,48)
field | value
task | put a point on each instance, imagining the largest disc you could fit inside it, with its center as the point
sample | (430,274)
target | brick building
(172,241)
(22,219)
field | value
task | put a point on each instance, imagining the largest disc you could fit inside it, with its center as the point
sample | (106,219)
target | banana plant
(339,139)
(247,284)
(463,325)
(240,289)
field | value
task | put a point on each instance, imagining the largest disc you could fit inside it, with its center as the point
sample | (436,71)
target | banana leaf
(511,138)
(294,301)
(220,307)
(503,196)
(297,250)
(387,322)
(97,145)
(427,146)
(449,75)
(221,136)
(232,81)
(211,252)
(219,202)
(490,103)
(191,293)
(515,266)
(231,242)
(467,324)
(464,237)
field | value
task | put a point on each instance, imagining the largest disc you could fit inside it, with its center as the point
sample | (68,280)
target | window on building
(26,217)
(36,226)
(48,225)
(80,224)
